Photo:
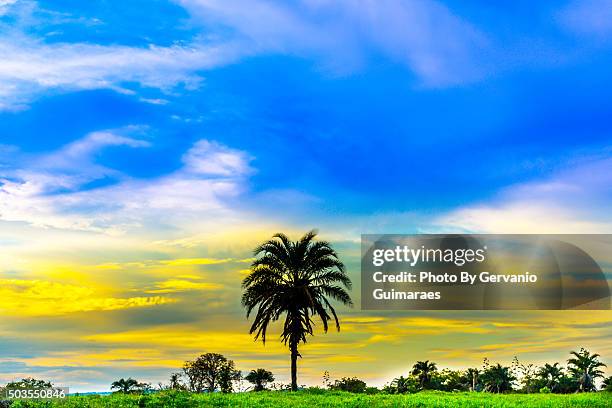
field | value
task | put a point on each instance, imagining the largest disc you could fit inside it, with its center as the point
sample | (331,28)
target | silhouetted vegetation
(296,280)
(607,384)
(129,385)
(578,376)
(207,380)
(210,372)
(352,384)
(259,378)
(423,371)
(585,367)
(30,383)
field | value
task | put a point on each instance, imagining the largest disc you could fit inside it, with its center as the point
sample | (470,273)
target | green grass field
(308,399)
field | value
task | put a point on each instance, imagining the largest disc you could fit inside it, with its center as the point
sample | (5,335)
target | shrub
(353,384)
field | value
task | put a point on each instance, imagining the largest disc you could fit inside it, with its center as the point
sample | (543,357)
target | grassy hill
(310,399)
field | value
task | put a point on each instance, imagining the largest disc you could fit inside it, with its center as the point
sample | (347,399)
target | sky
(146,147)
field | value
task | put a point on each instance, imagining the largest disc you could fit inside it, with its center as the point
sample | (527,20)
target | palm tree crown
(125,386)
(295,280)
(551,373)
(585,367)
(423,370)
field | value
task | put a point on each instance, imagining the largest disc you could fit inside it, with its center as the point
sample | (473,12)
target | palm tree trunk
(294,356)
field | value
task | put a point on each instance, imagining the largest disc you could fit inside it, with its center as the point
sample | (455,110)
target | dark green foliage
(607,384)
(176,383)
(129,385)
(550,375)
(210,372)
(423,370)
(402,385)
(294,280)
(567,385)
(585,368)
(497,378)
(450,380)
(29,382)
(259,378)
(352,384)
(473,377)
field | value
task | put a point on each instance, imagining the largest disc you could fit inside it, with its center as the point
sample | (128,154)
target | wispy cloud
(30,67)
(438,46)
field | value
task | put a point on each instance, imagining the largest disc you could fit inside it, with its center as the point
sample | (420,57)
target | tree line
(579,375)
(213,372)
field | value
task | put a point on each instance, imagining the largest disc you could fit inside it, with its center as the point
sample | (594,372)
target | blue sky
(386,107)
(147,146)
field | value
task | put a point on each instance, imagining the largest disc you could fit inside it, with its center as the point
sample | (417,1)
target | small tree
(528,374)
(175,382)
(129,385)
(260,378)
(228,377)
(209,372)
(352,384)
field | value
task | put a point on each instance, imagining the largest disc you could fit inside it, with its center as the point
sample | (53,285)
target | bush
(353,384)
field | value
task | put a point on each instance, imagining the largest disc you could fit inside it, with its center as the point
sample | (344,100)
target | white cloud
(439,47)
(30,67)
(49,192)
(5,4)
(211,158)
(573,201)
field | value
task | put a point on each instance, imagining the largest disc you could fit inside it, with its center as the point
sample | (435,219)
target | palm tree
(585,367)
(297,280)
(423,371)
(259,378)
(125,386)
(402,385)
(497,378)
(551,374)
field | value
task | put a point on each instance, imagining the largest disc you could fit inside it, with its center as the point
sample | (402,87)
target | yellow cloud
(23,297)
(183,285)
(151,263)
(194,261)
(186,337)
